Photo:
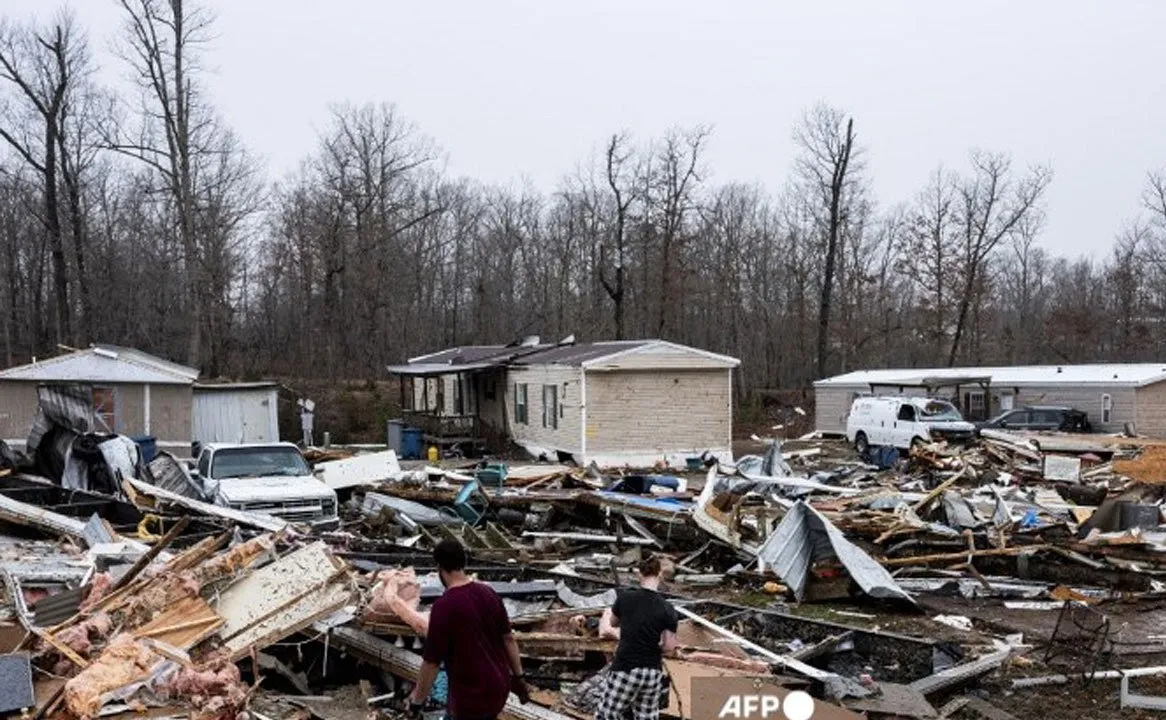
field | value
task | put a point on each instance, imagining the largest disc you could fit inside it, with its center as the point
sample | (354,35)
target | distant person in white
(306,424)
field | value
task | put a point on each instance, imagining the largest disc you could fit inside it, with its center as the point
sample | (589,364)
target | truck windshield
(258,462)
(939,410)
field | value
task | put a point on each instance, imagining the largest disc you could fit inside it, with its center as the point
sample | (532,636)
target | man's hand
(519,688)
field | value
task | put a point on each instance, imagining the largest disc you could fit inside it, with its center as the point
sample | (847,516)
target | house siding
(1150,410)
(18,408)
(658,412)
(170,410)
(832,406)
(568,436)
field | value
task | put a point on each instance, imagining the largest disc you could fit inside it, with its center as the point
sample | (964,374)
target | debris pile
(889,585)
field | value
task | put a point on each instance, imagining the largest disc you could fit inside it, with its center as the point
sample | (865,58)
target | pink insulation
(396,595)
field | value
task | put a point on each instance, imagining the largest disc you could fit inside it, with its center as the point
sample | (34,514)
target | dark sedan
(1064,419)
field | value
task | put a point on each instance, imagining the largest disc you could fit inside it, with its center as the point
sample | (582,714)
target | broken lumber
(960,556)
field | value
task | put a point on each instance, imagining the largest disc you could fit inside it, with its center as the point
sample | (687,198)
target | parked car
(272,478)
(903,421)
(1039,417)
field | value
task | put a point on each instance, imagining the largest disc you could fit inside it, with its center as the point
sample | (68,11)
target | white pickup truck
(270,478)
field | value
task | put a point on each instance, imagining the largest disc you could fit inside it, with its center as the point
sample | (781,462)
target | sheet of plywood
(282,598)
(184,625)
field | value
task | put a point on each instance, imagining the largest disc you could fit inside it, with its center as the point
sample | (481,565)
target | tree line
(139,218)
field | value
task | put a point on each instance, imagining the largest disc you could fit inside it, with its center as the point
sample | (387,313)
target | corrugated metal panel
(236,416)
(806,536)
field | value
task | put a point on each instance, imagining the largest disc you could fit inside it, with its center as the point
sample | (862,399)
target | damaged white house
(634,402)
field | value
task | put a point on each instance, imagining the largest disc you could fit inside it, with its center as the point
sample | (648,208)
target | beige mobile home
(628,403)
(1112,395)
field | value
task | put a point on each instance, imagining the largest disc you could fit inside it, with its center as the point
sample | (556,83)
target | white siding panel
(245,415)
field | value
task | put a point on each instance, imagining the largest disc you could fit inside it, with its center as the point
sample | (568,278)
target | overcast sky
(516,90)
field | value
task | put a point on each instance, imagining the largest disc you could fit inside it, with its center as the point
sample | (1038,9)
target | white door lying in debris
(235,414)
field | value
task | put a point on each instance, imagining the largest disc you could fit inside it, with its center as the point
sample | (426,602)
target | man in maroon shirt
(469,631)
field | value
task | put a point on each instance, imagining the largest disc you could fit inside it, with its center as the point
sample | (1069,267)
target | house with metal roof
(621,403)
(135,393)
(1113,395)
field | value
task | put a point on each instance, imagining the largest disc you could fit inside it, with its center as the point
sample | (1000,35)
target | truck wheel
(861,444)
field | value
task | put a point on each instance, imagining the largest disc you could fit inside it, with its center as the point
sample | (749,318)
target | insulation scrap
(79,638)
(396,595)
(123,662)
(99,587)
(213,688)
(237,558)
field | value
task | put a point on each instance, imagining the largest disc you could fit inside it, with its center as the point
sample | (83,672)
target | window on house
(438,395)
(1107,408)
(105,409)
(551,406)
(521,414)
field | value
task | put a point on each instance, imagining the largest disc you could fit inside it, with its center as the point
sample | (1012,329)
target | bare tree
(161,44)
(829,165)
(671,182)
(991,204)
(40,65)
(618,158)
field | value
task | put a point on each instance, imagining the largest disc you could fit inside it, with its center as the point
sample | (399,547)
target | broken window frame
(551,408)
(1106,408)
(105,412)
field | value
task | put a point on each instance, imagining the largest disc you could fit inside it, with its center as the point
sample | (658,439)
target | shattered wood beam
(959,557)
(148,557)
(937,491)
(406,664)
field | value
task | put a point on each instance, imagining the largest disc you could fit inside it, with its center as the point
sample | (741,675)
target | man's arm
(436,647)
(425,680)
(668,642)
(512,654)
(609,625)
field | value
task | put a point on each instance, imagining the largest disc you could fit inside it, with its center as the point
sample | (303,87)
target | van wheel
(861,444)
(917,443)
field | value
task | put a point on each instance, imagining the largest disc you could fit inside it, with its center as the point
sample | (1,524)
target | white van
(902,421)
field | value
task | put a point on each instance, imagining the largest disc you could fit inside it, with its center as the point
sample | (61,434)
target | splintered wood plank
(185,624)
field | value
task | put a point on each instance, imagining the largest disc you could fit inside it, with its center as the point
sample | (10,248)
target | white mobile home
(1112,395)
(635,403)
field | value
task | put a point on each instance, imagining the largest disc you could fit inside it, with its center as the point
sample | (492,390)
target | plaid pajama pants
(638,689)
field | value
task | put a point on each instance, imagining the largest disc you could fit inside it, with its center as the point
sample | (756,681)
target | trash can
(395,427)
(148,445)
(411,443)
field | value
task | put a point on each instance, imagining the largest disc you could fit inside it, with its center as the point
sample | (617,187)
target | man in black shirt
(647,629)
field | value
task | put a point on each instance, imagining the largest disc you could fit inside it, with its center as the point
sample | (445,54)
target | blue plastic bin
(148,444)
(412,442)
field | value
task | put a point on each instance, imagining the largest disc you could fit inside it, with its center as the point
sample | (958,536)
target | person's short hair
(449,555)
(650,566)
